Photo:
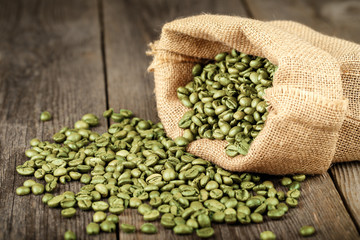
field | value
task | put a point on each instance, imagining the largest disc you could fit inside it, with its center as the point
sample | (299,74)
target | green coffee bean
(25,171)
(45,116)
(169,174)
(108,113)
(218,217)
(84,204)
(181,141)
(267,235)
(286,181)
(37,189)
(144,208)
(275,214)
(68,203)
(100,206)
(107,226)
(69,235)
(299,178)
(197,69)
(59,137)
(292,202)
(90,119)
(148,228)
(112,218)
(293,194)
(307,231)
(282,206)
(256,217)
(168,222)
(127,228)
(204,220)
(55,201)
(21,191)
(29,183)
(294,185)
(182,229)
(179,220)
(47,197)
(205,232)
(151,215)
(192,223)
(68,212)
(85,178)
(99,216)
(93,228)
(81,125)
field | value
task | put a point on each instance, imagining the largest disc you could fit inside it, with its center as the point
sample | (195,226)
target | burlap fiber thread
(314,113)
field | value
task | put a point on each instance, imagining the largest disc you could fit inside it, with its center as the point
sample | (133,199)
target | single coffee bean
(127,228)
(275,214)
(205,232)
(112,218)
(45,116)
(21,191)
(267,235)
(99,216)
(182,229)
(256,217)
(68,212)
(47,197)
(148,228)
(299,178)
(55,201)
(29,183)
(152,215)
(307,231)
(107,226)
(37,189)
(100,206)
(69,235)
(108,113)
(93,228)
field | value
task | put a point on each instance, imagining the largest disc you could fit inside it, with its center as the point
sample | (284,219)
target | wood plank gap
(343,199)
(103,54)
(13,200)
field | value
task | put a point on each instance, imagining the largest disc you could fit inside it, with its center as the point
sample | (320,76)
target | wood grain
(128,29)
(50,59)
(335,18)
(347,177)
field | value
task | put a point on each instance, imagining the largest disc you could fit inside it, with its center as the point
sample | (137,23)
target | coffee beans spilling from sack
(227,100)
(135,165)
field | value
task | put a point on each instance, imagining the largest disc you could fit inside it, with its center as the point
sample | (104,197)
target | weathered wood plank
(347,177)
(335,18)
(50,59)
(129,27)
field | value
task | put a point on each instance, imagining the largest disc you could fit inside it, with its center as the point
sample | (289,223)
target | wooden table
(72,57)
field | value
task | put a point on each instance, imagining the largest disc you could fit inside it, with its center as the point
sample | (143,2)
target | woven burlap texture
(314,114)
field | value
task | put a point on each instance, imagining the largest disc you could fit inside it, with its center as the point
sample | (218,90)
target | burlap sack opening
(307,103)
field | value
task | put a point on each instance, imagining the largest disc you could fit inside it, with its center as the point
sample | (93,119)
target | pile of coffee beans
(226,98)
(135,165)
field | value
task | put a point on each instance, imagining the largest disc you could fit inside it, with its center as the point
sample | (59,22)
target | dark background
(72,57)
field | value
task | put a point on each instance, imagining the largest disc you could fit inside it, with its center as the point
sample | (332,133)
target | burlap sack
(310,124)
